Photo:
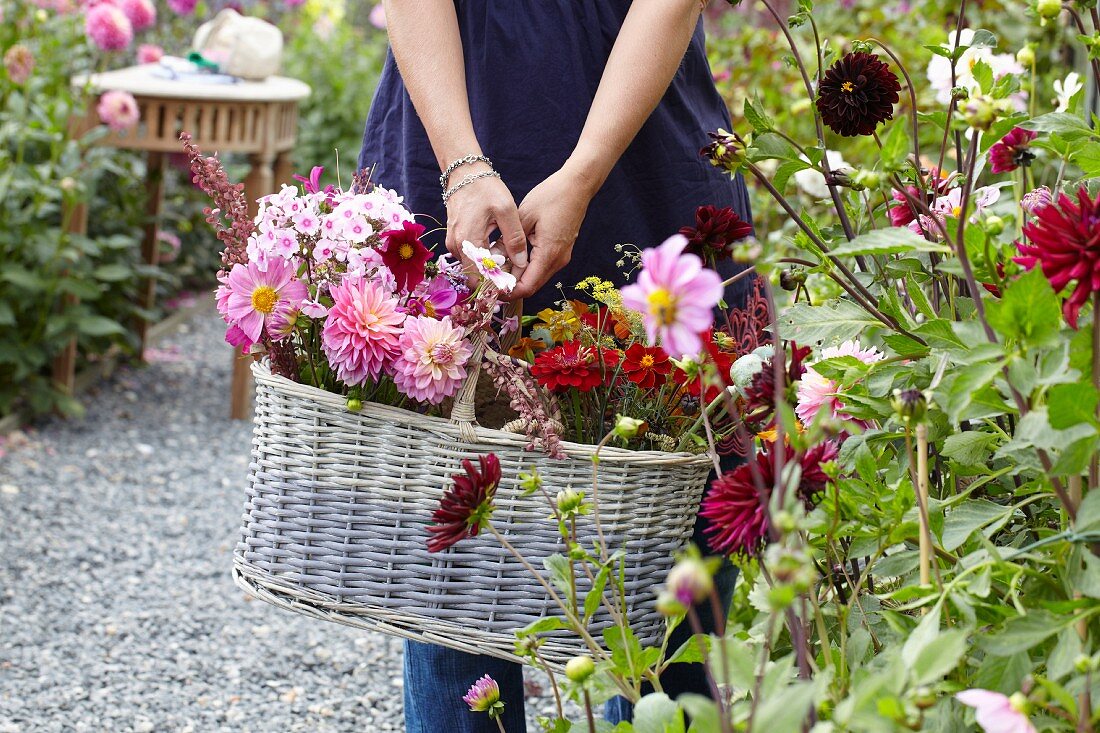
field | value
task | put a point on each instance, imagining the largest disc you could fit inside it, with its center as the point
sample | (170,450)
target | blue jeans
(436,678)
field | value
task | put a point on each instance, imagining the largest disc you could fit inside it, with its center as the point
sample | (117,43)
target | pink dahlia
(118,110)
(1065,241)
(19,63)
(142,13)
(182,7)
(816,393)
(1035,201)
(431,360)
(255,296)
(1012,151)
(675,295)
(997,713)
(362,330)
(108,27)
(484,697)
(149,53)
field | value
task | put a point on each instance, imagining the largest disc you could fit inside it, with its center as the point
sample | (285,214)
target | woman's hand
(476,209)
(552,214)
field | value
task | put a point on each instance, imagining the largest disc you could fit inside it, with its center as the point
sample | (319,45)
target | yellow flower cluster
(602,291)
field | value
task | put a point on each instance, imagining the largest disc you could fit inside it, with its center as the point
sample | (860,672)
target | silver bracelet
(445,176)
(466,181)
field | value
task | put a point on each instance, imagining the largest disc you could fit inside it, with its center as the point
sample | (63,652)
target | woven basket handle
(463,410)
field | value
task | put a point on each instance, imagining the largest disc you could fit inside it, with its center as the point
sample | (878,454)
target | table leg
(260,182)
(284,169)
(64,364)
(150,247)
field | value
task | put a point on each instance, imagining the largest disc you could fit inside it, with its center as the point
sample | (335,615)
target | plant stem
(922,500)
(500,724)
(697,630)
(588,712)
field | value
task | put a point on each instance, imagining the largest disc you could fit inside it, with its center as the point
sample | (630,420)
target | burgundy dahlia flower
(1064,239)
(466,507)
(1012,151)
(738,511)
(858,92)
(714,233)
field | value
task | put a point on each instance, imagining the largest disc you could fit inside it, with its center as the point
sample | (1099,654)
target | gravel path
(117,609)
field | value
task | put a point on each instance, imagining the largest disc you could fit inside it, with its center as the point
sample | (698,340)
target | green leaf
(595,593)
(559,567)
(1088,514)
(115,272)
(970,448)
(939,656)
(756,116)
(958,391)
(895,146)
(99,326)
(550,623)
(841,321)
(768,146)
(657,713)
(1071,404)
(786,711)
(1069,126)
(1022,633)
(690,651)
(983,74)
(967,518)
(1028,311)
(891,240)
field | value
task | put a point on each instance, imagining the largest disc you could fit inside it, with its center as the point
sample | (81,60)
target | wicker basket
(338,505)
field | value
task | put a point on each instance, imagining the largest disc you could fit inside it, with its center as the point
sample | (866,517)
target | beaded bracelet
(445,176)
(466,181)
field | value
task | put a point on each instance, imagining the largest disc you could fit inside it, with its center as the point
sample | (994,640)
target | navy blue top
(532,70)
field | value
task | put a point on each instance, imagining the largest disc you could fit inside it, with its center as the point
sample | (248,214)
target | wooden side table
(259,119)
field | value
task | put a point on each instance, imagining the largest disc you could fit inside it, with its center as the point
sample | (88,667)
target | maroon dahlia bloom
(466,506)
(1065,241)
(714,233)
(1011,151)
(737,512)
(857,93)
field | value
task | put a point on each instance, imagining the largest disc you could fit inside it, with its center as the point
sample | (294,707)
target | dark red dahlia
(858,92)
(737,510)
(466,507)
(1012,151)
(574,365)
(646,366)
(405,255)
(759,401)
(1065,240)
(714,233)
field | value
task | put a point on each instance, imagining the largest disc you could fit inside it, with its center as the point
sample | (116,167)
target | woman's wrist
(587,169)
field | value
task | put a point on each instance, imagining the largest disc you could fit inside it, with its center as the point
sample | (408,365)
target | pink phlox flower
(676,296)
(996,713)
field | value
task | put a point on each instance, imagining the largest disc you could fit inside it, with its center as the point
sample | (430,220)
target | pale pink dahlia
(149,53)
(255,295)
(118,110)
(362,331)
(108,27)
(142,13)
(816,392)
(676,296)
(431,363)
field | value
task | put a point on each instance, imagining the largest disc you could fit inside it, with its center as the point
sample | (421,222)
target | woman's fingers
(512,235)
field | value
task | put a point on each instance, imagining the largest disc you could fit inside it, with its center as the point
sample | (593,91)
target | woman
(566,126)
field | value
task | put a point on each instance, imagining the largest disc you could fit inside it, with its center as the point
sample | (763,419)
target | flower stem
(922,500)
(588,711)
(500,724)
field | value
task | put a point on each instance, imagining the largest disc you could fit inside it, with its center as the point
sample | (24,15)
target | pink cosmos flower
(256,295)
(142,13)
(182,7)
(149,53)
(490,265)
(118,110)
(997,713)
(676,296)
(816,393)
(108,27)
(431,363)
(378,16)
(362,331)
(433,299)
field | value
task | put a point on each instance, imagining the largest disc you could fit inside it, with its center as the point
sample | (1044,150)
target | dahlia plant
(918,518)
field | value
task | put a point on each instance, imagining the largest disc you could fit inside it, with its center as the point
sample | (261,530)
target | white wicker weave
(338,505)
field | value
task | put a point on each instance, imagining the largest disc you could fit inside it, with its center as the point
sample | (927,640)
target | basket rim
(263,374)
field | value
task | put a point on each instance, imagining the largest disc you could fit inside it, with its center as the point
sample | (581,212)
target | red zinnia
(1065,241)
(1012,151)
(646,366)
(737,511)
(714,233)
(574,365)
(466,507)
(405,255)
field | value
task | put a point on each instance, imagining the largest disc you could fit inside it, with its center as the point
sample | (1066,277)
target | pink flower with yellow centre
(253,297)
(362,330)
(675,295)
(817,393)
(490,265)
(431,362)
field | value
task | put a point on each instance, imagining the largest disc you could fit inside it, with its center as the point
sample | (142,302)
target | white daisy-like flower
(1066,89)
(489,265)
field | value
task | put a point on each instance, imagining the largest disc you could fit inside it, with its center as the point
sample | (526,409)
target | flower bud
(909,405)
(726,151)
(1048,9)
(690,581)
(570,502)
(994,225)
(745,369)
(531,482)
(68,183)
(960,93)
(924,698)
(1026,56)
(1084,663)
(668,606)
(785,521)
(578,669)
(355,404)
(867,179)
(1018,702)
(980,112)
(792,280)
(628,428)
